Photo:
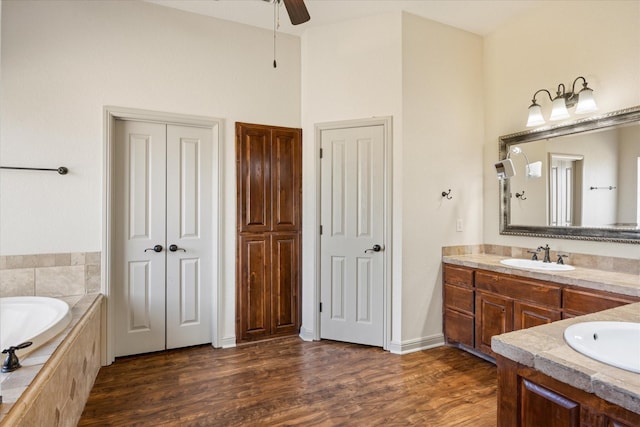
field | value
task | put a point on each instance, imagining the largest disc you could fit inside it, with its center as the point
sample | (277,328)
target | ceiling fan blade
(297,11)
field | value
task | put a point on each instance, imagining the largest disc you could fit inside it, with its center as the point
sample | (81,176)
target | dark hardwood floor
(291,382)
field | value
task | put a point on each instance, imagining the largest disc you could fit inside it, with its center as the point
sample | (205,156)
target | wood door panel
(494,316)
(253,151)
(285,283)
(286,179)
(541,406)
(527,315)
(254,286)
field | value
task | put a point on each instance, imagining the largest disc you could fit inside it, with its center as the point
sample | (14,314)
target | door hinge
(321,230)
(320,307)
(321,153)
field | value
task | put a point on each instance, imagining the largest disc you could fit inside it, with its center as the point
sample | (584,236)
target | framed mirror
(574,181)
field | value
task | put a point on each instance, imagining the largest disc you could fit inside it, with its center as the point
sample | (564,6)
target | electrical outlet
(459,225)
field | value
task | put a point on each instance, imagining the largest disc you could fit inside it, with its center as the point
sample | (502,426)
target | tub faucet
(11,363)
(546,250)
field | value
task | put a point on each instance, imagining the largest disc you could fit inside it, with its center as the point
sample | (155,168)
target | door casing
(110,115)
(386,122)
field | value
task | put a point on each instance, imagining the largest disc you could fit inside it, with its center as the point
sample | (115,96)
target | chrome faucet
(546,250)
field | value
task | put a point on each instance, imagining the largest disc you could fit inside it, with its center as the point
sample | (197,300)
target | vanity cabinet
(479,304)
(527,397)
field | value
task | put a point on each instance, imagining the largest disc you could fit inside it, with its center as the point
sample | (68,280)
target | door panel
(254,287)
(352,216)
(284,283)
(189,271)
(139,191)
(286,179)
(254,179)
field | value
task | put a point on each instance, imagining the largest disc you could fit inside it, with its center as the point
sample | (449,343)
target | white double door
(352,241)
(162,248)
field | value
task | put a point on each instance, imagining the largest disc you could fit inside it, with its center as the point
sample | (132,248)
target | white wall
(63,61)
(552,44)
(441,150)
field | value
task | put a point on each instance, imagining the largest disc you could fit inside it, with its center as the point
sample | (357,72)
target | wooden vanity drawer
(460,276)
(458,298)
(520,289)
(458,327)
(579,301)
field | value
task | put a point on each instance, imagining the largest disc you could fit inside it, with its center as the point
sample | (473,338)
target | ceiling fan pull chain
(276,24)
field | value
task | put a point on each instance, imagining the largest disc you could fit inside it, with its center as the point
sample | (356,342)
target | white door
(162,246)
(352,217)
(561,195)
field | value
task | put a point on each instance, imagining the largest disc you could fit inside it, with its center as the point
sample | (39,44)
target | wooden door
(494,316)
(352,215)
(269,182)
(528,315)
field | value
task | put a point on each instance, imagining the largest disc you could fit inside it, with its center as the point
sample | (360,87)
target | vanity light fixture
(505,168)
(563,100)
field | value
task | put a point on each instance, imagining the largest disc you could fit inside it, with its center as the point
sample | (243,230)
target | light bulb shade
(559,109)
(586,102)
(535,116)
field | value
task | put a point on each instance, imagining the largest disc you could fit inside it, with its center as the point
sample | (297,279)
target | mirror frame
(620,117)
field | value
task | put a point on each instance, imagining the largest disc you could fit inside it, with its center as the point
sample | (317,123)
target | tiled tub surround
(544,349)
(54,382)
(620,281)
(50,275)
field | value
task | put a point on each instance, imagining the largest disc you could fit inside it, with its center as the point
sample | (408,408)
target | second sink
(536,265)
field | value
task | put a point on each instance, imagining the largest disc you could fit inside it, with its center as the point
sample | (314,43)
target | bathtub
(35,319)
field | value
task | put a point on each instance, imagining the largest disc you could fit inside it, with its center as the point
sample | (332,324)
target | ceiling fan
(296,9)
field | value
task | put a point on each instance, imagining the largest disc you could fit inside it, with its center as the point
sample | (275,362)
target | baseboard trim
(228,342)
(417,344)
(306,335)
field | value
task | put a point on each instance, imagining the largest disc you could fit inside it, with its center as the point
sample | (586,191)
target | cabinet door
(544,407)
(494,316)
(527,315)
(286,179)
(285,283)
(254,290)
(253,157)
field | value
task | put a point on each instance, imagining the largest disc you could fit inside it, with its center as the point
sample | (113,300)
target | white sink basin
(614,343)
(536,265)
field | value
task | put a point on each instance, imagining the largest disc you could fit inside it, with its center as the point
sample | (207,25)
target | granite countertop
(544,349)
(621,283)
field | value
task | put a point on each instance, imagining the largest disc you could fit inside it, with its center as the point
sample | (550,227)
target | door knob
(375,248)
(174,248)
(156,248)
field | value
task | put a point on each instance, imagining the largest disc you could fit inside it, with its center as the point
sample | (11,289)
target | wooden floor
(291,382)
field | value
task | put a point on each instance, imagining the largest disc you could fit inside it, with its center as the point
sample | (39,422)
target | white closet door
(163,250)
(139,221)
(189,228)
